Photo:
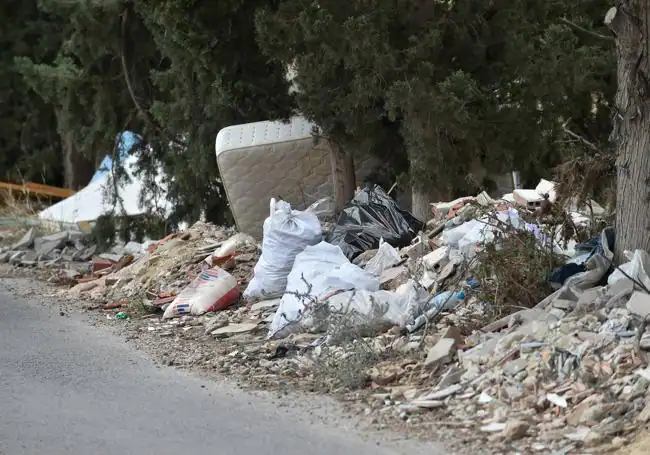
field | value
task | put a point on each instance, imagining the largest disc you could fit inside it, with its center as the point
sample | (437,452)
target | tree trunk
(343,177)
(421,202)
(77,169)
(629,22)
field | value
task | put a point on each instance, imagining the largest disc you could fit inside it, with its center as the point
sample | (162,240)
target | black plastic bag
(370,216)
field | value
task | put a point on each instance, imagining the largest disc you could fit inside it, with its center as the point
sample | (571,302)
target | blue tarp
(127,139)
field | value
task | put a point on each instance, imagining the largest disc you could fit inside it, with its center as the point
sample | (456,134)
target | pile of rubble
(390,306)
(53,250)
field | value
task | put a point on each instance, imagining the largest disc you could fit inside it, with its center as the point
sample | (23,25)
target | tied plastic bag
(370,216)
(213,290)
(386,257)
(318,272)
(379,309)
(286,233)
(637,268)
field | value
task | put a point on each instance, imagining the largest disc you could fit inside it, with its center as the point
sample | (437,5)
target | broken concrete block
(564,304)
(110,257)
(442,393)
(556,312)
(451,377)
(15,257)
(393,277)
(88,253)
(527,198)
(515,366)
(234,329)
(441,353)
(639,304)
(589,296)
(453,333)
(59,238)
(620,287)
(515,429)
(437,259)
(26,241)
(45,249)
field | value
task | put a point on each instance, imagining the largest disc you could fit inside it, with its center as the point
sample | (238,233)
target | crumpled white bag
(286,233)
(386,257)
(318,272)
(322,275)
(637,268)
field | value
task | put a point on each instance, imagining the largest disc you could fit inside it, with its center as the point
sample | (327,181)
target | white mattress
(258,161)
(262,133)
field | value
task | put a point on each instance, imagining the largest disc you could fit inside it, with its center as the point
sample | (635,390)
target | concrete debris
(559,376)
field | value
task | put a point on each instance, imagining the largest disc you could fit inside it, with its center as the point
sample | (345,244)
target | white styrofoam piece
(89,203)
(546,187)
(262,133)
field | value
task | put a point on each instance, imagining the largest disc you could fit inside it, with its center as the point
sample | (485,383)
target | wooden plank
(38,189)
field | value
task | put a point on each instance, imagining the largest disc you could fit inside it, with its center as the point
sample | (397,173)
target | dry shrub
(588,176)
(515,271)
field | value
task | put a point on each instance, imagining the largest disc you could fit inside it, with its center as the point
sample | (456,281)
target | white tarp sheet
(90,203)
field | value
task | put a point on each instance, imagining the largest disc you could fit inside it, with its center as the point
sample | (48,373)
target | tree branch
(578,137)
(127,78)
(584,30)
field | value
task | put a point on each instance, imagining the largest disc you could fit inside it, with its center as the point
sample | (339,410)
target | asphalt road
(69,388)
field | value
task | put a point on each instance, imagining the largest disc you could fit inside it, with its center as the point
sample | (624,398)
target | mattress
(258,161)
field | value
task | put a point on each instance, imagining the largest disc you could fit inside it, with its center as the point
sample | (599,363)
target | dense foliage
(442,92)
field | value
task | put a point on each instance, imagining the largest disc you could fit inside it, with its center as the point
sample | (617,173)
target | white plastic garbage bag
(377,308)
(318,272)
(637,268)
(286,233)
(386,257)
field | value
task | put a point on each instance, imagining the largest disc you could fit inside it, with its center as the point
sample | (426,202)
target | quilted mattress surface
(258,161)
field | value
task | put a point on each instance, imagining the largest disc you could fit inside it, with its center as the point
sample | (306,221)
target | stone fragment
(515,429)
(441,353)
(452,376)
(59,239)
(589,296)
(26,241)
(574,418)
(234,329)
(644,415)
(428,404)
(442,394)
(639,304)
(455,334)
(45,249)
(564,304)
(493,427)
(593,415)
(515,366)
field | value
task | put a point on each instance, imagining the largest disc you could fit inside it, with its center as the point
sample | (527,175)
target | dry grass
(17,214)
(11,205)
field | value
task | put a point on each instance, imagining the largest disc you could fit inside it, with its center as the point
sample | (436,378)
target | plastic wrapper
(367,218)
